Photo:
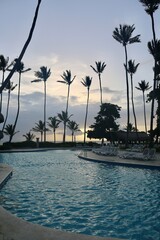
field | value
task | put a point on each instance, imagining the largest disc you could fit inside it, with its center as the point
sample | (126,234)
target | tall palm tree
(123,35)
(10,131)
(20,70)
(87,83)
(74,127)
(3,65)
(10,87)
(132,68)
(150,7)
(24,47)
(67,79)
(54,124)
(43,74)
(99,69)
(144,86)
(63,117)
(39,128)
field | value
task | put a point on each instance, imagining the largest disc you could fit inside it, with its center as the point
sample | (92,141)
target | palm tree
(23,49)
(3,65)
(39,128)
(67,79)
(20,70)
(99,69)
(43,75)
(63,117)
(10,87)
(54,124)
(132,68)
(131,128)
(150,7)
(143,86)
(74,127)
(10,131)
(123,35)
(29,136)
(87,83)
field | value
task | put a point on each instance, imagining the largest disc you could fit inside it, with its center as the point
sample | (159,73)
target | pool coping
(14,228)
(116,160)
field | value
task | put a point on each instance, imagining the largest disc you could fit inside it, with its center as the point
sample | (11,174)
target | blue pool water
(57,189)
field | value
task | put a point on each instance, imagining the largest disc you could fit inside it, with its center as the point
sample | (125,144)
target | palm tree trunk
(100,86)
(134,113)
(154,87)
(127,85)
(23,49)
(64,134)
(85,122)
(18,108)
(54,133)
(1,93)
(144,106)
(44,111)
(9,94)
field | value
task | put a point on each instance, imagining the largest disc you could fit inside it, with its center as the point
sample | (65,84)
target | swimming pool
(57,189)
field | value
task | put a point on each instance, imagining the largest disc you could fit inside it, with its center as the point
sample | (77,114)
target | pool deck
(116,160)
(14,228)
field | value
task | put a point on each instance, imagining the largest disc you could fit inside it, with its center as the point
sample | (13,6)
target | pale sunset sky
(72,35)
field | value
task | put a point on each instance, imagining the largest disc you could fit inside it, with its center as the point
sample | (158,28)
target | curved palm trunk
(44,111)
(154,87)
(127,85)
(100,86)
(144,109)
(9,94)
(23,49)
(18,108)
(1,93)
(133,108)
(85,122)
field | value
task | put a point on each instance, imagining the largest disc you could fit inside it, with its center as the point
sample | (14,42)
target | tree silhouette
(143,86)
(99,69)
(42,75)
(87,83)
(123,35)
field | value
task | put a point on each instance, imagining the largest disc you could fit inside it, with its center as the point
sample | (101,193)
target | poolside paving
(91,156)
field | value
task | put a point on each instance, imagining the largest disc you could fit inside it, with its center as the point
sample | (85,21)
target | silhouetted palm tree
(43,74)
(10,131)
(131,128)
(99,69)
(64,118)
(150,7)
(54,124)
(20,70)
(123,35)
(143,86)
(3,65)
(132,68)
(29,136)
(87,83)
(67,79)
(74,127)
(39,128)
(10,87)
